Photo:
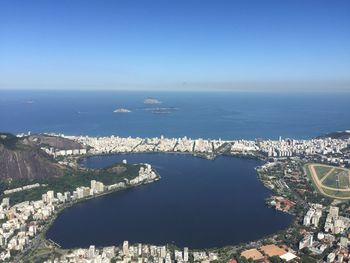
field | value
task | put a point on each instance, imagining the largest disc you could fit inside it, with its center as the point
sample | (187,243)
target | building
(307,241)
(126,248)
(335,223)
(185,254)
(313,216)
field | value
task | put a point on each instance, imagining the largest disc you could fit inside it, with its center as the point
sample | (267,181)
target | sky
(175,45)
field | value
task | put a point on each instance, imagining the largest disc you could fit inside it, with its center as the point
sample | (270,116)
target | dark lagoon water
(197,203)
(228,115)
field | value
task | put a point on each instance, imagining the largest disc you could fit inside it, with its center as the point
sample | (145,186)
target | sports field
(330,181)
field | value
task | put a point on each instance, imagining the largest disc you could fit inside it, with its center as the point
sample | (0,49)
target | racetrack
(321,187)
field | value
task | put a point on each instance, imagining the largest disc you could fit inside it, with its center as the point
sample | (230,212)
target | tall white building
(91,251)
(313,216)
(307,241)
(50,196)
(6,202)
(93,184)
(126,248)
(185,254)
(162,251)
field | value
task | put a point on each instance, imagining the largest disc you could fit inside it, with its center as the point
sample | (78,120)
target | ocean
(226,115)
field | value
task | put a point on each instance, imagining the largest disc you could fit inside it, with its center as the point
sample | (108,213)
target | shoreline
(42,236)
(189,153)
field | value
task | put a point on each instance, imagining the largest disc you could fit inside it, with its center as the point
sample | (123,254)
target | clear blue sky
(239,45)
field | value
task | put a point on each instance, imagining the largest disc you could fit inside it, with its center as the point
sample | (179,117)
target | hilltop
(46,140)
(23,160)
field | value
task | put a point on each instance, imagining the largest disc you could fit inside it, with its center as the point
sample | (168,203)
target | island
(122,110)
(152,101)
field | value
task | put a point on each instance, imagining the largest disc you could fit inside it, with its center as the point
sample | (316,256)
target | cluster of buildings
(334,237)
(313,215)
(318,244)
(133,253)
(327,147)
(146,174)
(334,223)
(290,147)
(203,146)
(115,144)
(19,189)
(243,147)
(58,152)
(22,221)
(281,203)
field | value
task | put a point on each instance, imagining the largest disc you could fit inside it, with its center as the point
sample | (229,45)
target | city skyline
(196,45)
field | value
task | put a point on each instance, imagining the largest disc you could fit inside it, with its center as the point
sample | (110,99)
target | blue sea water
(227,115)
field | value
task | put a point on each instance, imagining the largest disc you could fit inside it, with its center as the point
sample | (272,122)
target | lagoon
(197,203)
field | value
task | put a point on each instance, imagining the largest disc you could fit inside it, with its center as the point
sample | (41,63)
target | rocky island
(121,110)
(152,101)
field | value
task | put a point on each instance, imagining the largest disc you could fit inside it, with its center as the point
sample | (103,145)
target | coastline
(211,156)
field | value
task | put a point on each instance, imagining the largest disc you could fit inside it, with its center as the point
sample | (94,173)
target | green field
(344,180)
(330,181)
(337,175)
(345,194)
(322,171)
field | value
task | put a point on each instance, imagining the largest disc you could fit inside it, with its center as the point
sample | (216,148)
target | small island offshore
(41,176)
(122,110)
(152,101)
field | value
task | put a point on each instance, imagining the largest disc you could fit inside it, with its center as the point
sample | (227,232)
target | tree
(275,259)
(243,260)
(307,259)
